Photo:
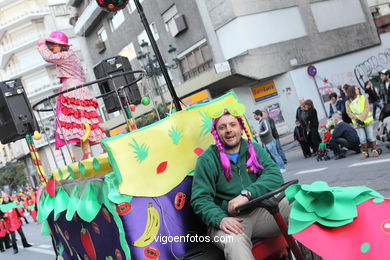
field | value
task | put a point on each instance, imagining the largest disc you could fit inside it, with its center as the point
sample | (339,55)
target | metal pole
(160,93)
(120,104)
(319,94)
(48,141)
(151,96)
(160,60)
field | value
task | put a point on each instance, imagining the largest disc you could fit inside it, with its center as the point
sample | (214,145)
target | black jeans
(22,236)
(336,144)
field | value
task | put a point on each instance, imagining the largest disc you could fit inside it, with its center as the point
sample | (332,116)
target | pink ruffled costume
(77,106)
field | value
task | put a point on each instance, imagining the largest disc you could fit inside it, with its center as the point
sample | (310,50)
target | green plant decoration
(141,151)
(175,134)
(206,123)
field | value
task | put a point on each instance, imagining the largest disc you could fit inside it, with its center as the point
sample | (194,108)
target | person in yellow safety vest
(358,109)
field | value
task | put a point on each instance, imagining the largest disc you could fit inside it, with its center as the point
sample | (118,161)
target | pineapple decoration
(112,5)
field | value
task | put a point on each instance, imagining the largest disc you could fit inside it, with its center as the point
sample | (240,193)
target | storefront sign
(197,98)
(264,91)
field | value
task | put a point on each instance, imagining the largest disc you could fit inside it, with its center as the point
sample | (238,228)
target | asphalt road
(351,171)
(41,249)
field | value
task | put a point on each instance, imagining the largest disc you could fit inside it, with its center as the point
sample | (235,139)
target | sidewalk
(287,142)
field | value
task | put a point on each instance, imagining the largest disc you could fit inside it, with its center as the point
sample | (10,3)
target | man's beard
(227,146)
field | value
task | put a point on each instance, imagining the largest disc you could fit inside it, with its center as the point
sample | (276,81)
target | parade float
(125,203)
(114,205)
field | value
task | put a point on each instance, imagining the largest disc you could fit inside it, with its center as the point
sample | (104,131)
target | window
(131,6)
(102,35)
(28,59)
(117,20)
(153,28)
(161,82)
(195,62)
(144,36)
(168,18)
(129,52)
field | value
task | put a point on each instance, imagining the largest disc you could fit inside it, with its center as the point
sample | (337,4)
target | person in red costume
(32,207)
(13,223)
(4,238)
(20,210)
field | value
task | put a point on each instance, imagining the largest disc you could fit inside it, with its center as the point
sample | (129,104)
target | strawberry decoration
(198,151)
(87,242)
(162,167)
(51,187)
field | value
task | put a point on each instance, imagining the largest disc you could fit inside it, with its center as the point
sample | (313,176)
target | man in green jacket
(229,174)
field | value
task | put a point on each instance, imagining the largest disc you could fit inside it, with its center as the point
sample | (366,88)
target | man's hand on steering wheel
(234,203)
(231,225)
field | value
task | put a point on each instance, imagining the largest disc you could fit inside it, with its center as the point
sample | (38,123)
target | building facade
(259,49)
(22,24)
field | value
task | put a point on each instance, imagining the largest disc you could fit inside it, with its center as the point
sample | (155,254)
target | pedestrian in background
(373,97)
(311,122)
(344,135)
(335,105)
(358,110)
(299,136)
(275,134)
(265,135)
(343,98)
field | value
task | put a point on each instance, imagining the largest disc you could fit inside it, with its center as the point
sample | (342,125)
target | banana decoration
(151,229)
(87,131)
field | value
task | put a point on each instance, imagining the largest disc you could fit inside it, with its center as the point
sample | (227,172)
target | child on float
(75,108)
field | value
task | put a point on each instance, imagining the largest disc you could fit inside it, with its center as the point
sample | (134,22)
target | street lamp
(152,68)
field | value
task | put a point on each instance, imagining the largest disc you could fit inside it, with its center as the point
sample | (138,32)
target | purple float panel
(152,224)
(96,240)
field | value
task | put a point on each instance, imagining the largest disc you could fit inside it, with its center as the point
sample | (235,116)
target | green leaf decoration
(73,201)
(71,173)
(96,164)
(61,202)
(60,173)
(141,151)
(206,123)
(82,168)
(329,206)
(175,134)
(89,204)
(45,228)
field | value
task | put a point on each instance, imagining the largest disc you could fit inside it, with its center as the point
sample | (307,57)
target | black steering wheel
(268,200)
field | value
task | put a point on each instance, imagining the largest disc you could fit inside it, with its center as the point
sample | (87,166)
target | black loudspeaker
(16,116)
(112,66)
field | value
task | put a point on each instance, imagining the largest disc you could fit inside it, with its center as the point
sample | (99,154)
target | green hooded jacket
(211,192)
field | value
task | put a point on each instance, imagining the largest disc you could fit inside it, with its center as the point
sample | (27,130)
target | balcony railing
(20,16)
(18,71)
(21,43)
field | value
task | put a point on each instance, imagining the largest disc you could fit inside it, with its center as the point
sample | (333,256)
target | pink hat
(59,38)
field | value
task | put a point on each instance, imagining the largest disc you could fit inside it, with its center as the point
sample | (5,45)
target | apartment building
(22,23)
(259,49)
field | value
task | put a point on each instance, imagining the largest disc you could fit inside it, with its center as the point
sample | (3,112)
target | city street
(41,250)
(350,171)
